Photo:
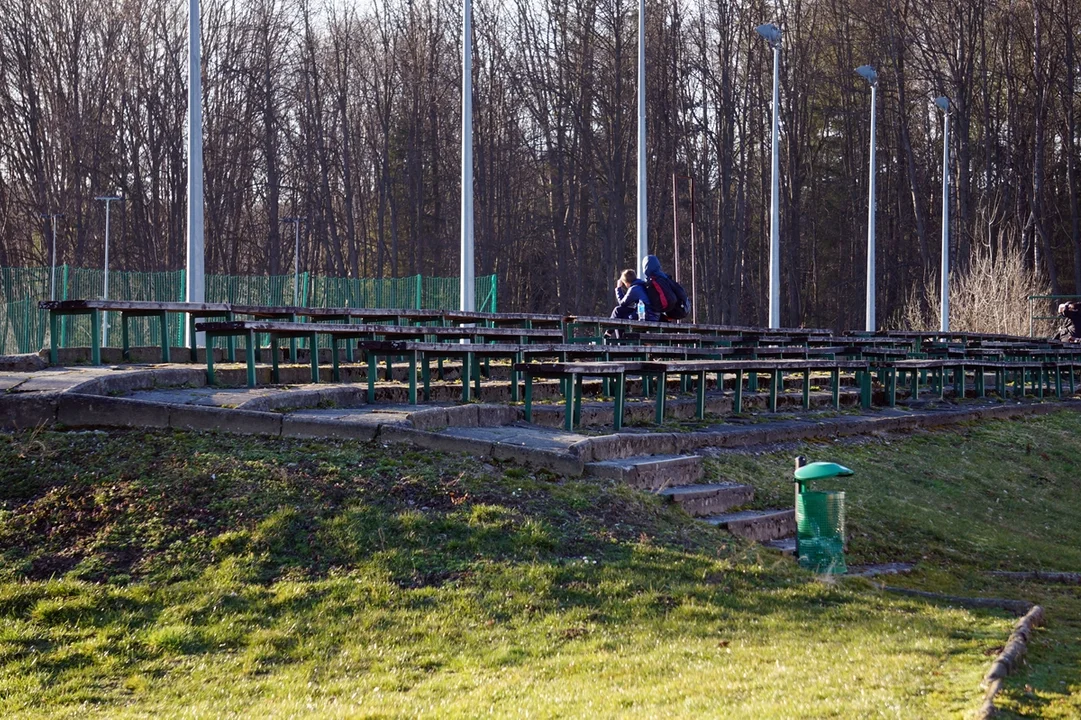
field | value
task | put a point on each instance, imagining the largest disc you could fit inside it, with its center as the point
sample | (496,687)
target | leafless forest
(349,113)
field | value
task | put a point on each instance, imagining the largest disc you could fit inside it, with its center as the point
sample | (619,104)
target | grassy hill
(171,574)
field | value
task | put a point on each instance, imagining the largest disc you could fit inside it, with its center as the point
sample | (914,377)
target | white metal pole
(108,200)
(643,243)
(871,325)
(775,202)
(105,278)
(946,221)
(52,291)
(467,290)
(196,290)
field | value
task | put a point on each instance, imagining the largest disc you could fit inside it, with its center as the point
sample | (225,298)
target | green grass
(161,574)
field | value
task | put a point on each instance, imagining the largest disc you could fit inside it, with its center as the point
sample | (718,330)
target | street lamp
(195,290)
(108,200)
(868,73)
(52,283)
(643,240)
(675,234)
(772,34)
(466,292)
(296,221)
(943,104)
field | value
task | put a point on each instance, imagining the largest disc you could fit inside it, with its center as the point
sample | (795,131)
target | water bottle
(641,310)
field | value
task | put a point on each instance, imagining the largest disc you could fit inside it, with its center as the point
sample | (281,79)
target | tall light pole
(675,233)
(108,200)
(467,289)
(943,104)
(772,34)
(642,227)
(296,221)
(195,291)
(868,73)
(52,281)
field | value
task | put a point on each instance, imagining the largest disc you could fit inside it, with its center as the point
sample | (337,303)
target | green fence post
(494,293)
(419,297)
(64,296)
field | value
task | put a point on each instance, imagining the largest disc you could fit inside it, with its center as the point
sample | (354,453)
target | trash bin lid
(821,470)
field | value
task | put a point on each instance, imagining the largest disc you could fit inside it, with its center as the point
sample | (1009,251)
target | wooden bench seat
(130,309)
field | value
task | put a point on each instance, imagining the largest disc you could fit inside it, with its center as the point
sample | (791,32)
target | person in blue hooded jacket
(629,290)
(657,280)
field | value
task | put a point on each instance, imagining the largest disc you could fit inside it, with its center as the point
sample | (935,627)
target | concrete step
(650,472)
(702,500)
(758,525)
(786,545)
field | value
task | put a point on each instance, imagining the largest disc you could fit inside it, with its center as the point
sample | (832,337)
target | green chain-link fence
(24,328)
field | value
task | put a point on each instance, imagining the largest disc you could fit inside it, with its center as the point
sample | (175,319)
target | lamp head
(868,73)
(943,103)
(771,33)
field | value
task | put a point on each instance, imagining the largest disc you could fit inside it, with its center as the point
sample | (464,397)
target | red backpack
(668,297)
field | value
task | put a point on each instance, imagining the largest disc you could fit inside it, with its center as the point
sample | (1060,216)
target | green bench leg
(275,369)
(891,386)
(293,345)
(230,340)
(411,357)
(835,383)
(528,397)
(774,381)
(373,368)
(737,404)
(700,398)
(125,339)
(210,379)
(313,356)
(95,337)
(865,389)
(467,372)
(1072,369)
(620,392)
(1039,377)
(388,375)
(1058,382)
(54,329)
(752,382)
(578,400)
(476,365)
(806,389)
(915,385)
(250,353)
(959,381)
(163,321)
(568,401)
(335,374)
(662,387)
(426,377)
(194,346)
(941,375)
(518,358)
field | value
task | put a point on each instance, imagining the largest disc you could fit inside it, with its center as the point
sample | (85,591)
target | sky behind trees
(349,114)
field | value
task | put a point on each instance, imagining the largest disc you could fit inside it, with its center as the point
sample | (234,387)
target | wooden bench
(130,309)
(776,370)
(573,373)
(276,330)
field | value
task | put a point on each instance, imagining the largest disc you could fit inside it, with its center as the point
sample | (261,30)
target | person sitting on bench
(1071,329)
(629,291)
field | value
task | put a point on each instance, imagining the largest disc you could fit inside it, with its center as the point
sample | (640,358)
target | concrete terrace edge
(624,445)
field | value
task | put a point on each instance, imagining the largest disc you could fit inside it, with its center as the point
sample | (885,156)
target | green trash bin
(820,519)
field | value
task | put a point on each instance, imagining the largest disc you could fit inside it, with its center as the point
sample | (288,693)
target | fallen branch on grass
(1016,606)
(1008,660)
(1065,578)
